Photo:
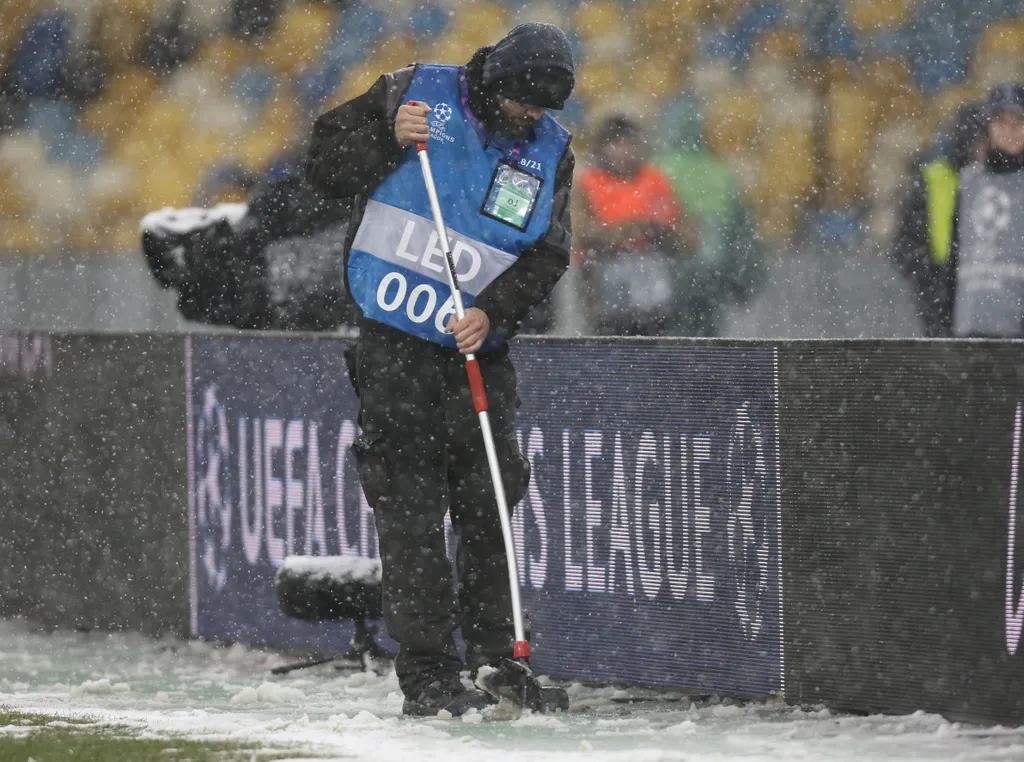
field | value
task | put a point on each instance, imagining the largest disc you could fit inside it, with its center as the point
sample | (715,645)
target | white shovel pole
(521,648)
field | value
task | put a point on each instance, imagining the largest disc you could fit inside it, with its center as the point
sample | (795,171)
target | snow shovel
(511,679)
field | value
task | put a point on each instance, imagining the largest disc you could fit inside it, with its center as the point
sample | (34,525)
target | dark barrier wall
(899,503)
(92,496)
(889,469)
(649,539)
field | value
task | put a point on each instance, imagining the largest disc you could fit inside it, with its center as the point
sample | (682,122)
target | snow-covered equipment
(331,589)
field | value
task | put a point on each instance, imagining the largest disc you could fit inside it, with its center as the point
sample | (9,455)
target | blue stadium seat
(940,38)
(315,86)
(828,33)
(752,23)
(53,121)
(361,28)
(253,86)
(722,46)
(36,68)
(838,226)
(428,21)
(892,43)
(82,151)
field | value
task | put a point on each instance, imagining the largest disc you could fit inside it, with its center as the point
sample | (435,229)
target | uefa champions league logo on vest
(442,113)
(993,214)
(213,488)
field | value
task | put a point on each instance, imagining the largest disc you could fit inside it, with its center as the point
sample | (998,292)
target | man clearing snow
(503,169)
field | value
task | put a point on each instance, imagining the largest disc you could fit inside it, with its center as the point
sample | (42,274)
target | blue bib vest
(396,269)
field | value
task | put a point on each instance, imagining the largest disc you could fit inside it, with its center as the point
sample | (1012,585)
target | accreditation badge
(512,195)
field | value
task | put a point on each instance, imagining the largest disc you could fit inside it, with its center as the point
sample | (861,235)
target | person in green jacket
(728,266)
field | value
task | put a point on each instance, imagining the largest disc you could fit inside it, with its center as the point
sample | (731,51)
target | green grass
(86,741)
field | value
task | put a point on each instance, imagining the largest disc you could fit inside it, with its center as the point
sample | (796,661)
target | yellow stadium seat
(451,50)
(867,16)
(788,166)
(600,79)
(299,37)
(941,107)
(143,8)
(122,29)
(887,75)
(838,72)
(257,150)
(780,44)
(673,42)
(598,18)
(485,22)
(852,117)
(358,81)
(1001,42)
(22,235)
(123,236)
(734,121)
(656,76)
(224,56)
(159,131)
(118,108)
(13,200)
(11,31)
(277,131)
(166,184)
(662,22)
(898,95)
(203,149)
(396,53)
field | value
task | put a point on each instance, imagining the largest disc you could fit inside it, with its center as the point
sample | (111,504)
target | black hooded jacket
(353,149)
(911,247)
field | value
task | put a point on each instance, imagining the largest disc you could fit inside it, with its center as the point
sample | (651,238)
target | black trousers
(420,455)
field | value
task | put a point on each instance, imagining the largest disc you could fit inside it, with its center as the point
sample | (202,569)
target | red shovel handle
(476,385)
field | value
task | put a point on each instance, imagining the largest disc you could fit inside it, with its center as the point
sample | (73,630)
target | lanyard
(510,149)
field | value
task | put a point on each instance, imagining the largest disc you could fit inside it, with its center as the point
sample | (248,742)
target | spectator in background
(727,267)
(922,244)
(632,234)
(987,255)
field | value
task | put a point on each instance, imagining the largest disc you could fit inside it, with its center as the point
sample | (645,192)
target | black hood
(532,64)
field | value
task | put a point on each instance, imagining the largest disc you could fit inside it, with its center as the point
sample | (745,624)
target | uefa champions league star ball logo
(213,499)
(442,112)
(993,212)
(749,537)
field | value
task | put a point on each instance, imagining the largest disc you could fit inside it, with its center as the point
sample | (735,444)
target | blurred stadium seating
(110,108)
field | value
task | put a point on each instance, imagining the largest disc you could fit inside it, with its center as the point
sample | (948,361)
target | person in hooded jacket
(924,236)
(987,251)
(503,169)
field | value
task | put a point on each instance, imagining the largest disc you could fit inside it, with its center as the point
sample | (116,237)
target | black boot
(450,695)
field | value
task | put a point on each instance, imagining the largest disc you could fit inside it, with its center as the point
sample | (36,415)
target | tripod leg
(284,669)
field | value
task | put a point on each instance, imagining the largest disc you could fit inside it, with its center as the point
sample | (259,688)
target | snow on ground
(227,693)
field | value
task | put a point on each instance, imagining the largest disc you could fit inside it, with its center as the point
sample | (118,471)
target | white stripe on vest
(403,238)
